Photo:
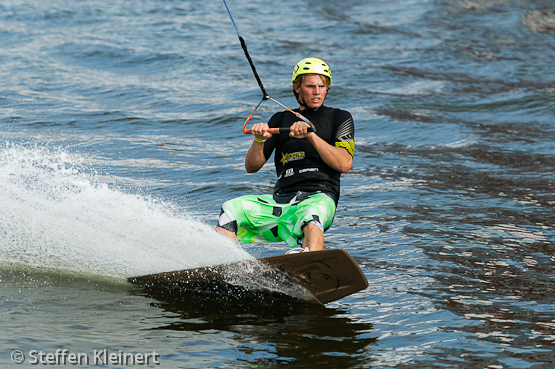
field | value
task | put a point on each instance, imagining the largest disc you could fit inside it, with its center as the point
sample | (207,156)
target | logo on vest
(286,158)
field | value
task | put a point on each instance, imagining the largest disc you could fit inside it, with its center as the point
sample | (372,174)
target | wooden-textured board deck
(326,275)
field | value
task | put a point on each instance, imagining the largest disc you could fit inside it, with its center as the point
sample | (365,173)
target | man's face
(312,91)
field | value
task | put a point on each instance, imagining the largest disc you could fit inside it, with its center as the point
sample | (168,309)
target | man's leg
(249,218)
(317,213)
(226,226)
(313,237)
(226,233)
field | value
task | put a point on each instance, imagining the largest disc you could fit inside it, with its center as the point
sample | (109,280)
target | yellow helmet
(311,66)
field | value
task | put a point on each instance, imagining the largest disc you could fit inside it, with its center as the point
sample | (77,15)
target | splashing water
(56,214)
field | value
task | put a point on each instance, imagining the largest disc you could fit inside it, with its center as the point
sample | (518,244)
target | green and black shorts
(260,218)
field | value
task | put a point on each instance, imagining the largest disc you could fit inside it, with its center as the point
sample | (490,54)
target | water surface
(121,136)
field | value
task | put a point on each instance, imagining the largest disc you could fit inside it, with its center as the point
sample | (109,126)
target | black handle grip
(287,129)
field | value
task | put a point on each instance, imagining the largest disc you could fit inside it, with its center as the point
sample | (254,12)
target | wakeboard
(317,277)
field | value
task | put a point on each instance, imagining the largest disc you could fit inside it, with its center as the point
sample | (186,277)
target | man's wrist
(261,140)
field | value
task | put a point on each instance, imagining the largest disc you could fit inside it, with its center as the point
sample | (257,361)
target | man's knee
(313,236)
(312,226)
(225,232)
(226,223)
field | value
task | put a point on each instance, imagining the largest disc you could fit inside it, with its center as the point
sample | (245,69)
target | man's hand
(260,130)
(299,130)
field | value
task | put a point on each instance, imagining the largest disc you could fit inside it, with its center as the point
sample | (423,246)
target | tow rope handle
(276,131)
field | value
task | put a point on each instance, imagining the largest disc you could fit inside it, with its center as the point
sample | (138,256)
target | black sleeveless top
(298,164)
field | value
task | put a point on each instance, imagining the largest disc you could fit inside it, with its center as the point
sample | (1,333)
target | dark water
(120,138)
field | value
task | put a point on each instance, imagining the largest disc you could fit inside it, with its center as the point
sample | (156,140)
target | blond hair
(300,78)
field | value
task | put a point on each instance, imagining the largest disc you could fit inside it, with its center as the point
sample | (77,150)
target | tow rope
(265,96)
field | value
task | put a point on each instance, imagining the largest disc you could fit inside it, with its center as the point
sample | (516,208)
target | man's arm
(337,158)
(255,158)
